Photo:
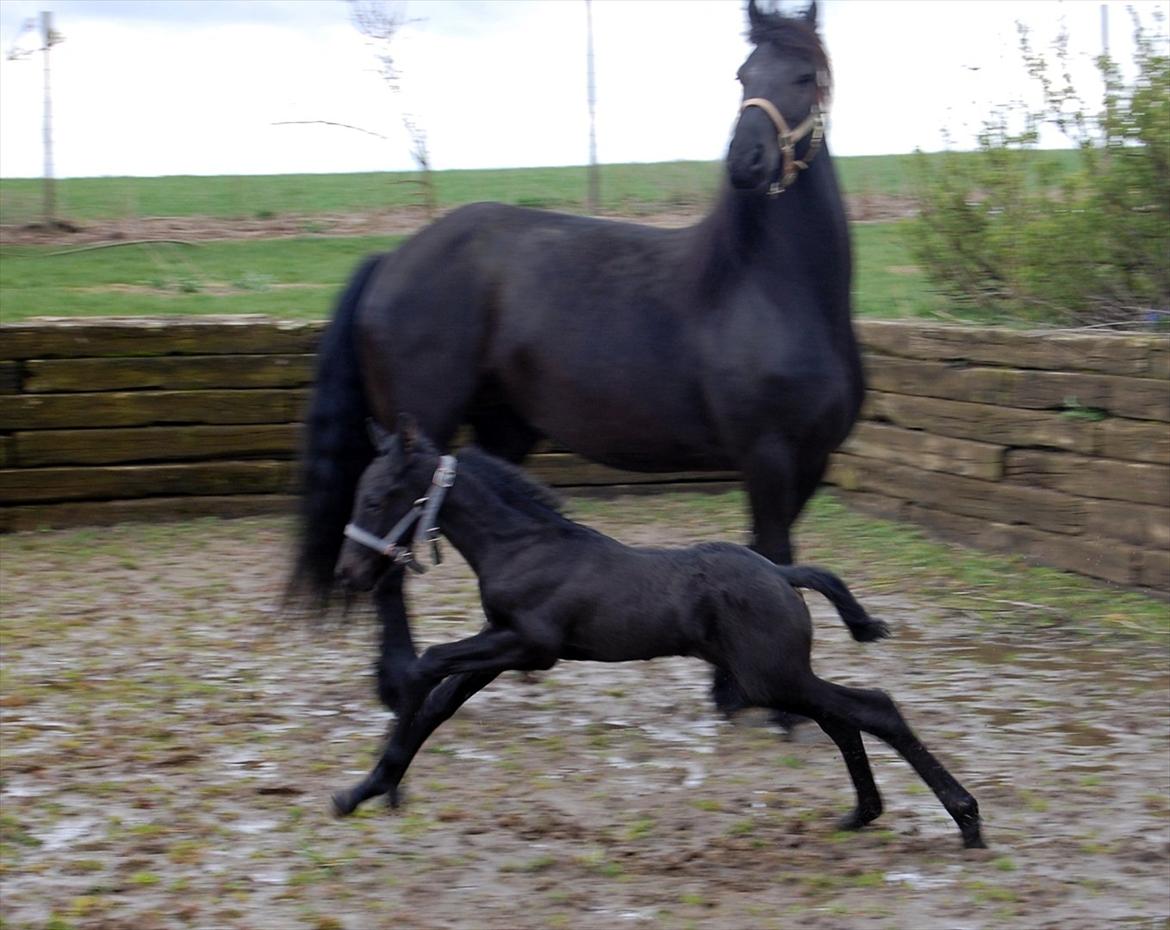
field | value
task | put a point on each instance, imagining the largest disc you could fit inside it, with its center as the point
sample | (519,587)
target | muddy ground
(170,744)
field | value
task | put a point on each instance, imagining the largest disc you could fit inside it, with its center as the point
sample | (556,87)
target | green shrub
(1016,235)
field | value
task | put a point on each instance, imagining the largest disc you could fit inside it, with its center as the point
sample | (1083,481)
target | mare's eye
(806,79)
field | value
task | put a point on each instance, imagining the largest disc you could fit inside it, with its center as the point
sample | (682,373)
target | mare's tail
(865,629)
(336,450)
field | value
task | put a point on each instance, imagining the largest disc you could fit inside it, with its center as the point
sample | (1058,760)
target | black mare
(726,345)
(554,589)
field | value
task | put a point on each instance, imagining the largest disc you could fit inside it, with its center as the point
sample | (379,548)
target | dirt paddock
(170,744)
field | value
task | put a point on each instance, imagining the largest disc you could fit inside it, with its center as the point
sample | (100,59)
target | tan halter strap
(791,166)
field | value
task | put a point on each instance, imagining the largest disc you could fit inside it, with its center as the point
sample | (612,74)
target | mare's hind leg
(875,712)
(869,799)
(396,647)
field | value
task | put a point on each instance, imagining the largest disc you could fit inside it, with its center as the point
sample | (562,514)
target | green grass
(289,278)
(298,278)
(628,188)
(990,585)
(631,188)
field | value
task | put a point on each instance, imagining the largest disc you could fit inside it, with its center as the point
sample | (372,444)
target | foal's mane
(512,483)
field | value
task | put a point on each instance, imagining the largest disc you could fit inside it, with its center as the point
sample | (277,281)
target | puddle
(66,833)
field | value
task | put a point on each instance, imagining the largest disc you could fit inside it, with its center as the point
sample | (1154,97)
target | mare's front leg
(396,648)
(484,655)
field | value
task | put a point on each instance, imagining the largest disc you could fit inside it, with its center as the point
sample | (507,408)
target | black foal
(553,589)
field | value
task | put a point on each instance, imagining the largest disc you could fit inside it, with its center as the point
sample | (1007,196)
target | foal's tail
(336,450)
(865,629)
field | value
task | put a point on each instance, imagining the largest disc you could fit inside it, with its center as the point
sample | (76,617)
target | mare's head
(392,483)
(785,87)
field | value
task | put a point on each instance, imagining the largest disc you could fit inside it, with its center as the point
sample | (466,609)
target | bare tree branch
(328,122)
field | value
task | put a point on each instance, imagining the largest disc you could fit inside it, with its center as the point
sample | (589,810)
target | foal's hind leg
(776,493)
(869,799)
(875,712)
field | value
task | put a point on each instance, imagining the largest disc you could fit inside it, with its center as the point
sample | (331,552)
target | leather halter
(790,165)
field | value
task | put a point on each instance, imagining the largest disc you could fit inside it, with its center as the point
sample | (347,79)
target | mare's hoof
(786,721)
(394,798)
(390,697)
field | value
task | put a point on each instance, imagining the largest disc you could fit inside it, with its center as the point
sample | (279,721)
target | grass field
(627,188)
(297,277)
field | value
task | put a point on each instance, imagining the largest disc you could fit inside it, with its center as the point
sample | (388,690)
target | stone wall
(1053,446)
(117,419)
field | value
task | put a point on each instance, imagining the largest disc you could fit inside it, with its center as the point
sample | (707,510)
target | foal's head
(398,476)
(785,85)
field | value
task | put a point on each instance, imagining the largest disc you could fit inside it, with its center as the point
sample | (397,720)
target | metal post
(593,197)
(50,206)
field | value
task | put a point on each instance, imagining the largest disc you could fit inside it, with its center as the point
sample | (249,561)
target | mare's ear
(381,438)
(810,15)
(755,17)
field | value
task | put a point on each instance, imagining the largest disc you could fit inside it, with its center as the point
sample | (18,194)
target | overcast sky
(149,87)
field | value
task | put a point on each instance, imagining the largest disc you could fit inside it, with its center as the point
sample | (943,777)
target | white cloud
(194,87)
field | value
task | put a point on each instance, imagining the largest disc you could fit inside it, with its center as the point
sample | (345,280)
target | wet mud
(170,741)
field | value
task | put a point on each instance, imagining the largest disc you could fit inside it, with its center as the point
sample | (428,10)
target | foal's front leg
(440,705)
(479,658)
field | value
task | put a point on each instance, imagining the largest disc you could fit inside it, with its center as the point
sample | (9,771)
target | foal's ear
(414,440)
(810,15)
(381,438)
(409,431)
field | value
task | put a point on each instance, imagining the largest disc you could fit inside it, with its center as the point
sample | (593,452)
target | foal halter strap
(787,138)
(425,510)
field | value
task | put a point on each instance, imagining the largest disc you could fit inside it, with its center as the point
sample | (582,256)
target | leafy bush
(1014,235)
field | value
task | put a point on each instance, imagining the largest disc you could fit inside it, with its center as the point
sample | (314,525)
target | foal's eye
(806,79)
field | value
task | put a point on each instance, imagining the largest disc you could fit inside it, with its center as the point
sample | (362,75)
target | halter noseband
(425,510)
(814,123)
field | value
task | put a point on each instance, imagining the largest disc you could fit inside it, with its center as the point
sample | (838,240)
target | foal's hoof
(872,631)
(857,818)
(973,839)
(344,803)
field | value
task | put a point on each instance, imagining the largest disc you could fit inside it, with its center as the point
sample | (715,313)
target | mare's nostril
(757,157)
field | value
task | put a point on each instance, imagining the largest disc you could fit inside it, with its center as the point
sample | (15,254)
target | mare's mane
(788,34)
